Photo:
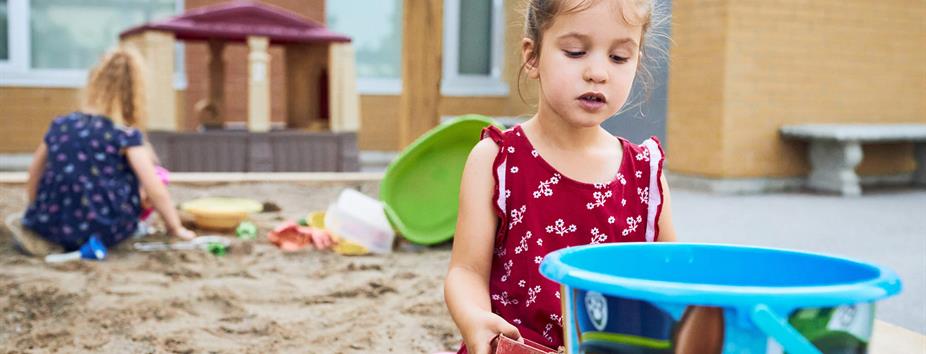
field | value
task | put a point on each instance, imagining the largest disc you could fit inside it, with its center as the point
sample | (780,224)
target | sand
(256,299)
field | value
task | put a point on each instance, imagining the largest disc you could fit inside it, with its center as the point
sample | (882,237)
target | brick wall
(741,69)
(694,126)
(25,114)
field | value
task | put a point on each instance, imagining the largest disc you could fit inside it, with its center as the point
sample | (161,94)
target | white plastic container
(361,219)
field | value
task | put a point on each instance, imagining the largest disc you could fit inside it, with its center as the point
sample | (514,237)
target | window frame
(15,41)
(456,84)
(18,72)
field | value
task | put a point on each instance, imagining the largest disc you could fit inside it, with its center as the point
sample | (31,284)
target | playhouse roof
(236,20)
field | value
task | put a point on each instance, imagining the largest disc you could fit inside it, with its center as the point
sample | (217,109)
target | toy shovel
(93,249)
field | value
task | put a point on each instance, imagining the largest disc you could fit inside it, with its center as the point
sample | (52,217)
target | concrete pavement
(886,226)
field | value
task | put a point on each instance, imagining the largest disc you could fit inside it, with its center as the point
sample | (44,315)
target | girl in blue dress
(90,170)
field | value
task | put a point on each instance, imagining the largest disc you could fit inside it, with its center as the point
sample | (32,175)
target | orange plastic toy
(291,237)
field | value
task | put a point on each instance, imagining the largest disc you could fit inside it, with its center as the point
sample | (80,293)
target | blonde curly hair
(116,88)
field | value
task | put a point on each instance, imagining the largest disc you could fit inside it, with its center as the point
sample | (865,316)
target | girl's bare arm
(140,159)
(36,168)
(466,289)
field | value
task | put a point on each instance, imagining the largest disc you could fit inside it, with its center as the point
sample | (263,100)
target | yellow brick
(766,64)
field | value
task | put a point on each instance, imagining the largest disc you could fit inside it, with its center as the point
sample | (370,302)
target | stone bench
(835,151)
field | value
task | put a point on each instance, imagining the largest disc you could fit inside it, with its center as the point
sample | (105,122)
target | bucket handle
(776,327)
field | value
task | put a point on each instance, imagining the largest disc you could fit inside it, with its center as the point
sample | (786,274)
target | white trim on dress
(500,173)
(655,197)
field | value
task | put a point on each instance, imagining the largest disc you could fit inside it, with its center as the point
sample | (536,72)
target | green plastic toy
(246,230)
(217,248)
(420,189)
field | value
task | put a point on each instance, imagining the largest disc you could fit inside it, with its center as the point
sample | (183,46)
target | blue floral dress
(87,186)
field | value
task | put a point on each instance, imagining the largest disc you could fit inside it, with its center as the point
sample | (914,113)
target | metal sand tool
(217,245)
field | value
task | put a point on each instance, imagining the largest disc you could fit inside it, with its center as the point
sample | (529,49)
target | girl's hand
(184,233)
(485,327)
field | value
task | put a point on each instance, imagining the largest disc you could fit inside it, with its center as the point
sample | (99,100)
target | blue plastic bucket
(700,298)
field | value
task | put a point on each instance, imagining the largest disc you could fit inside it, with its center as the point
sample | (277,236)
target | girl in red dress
(557,180)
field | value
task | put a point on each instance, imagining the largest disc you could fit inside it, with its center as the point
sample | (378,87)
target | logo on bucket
(597,308)
(853,319)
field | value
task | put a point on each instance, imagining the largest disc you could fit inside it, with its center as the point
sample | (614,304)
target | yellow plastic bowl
(219,213)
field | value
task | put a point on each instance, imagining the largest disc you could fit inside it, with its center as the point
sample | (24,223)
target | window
(4,32)
(69,34)
(474,34)
(375,28)
(55,42)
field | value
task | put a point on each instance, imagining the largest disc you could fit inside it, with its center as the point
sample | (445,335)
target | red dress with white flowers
(540,210)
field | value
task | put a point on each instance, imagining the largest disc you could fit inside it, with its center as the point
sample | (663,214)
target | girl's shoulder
(495,134)
(94,127)
(67,119)
(81,120)
(507,139)
(65,124)
(645,149)
(492,142)
(645,157)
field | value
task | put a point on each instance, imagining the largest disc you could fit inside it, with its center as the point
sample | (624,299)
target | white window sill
(474,88)
(58,79)
(383,87)
(507,121)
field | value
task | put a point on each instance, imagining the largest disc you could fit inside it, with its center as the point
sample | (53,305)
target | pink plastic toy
(164,175)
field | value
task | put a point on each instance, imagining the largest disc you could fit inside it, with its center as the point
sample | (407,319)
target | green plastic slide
(421,187)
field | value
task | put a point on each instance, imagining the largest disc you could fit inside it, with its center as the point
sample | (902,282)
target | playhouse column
(421,68)
(343,102)
(258,84)
(157,49)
